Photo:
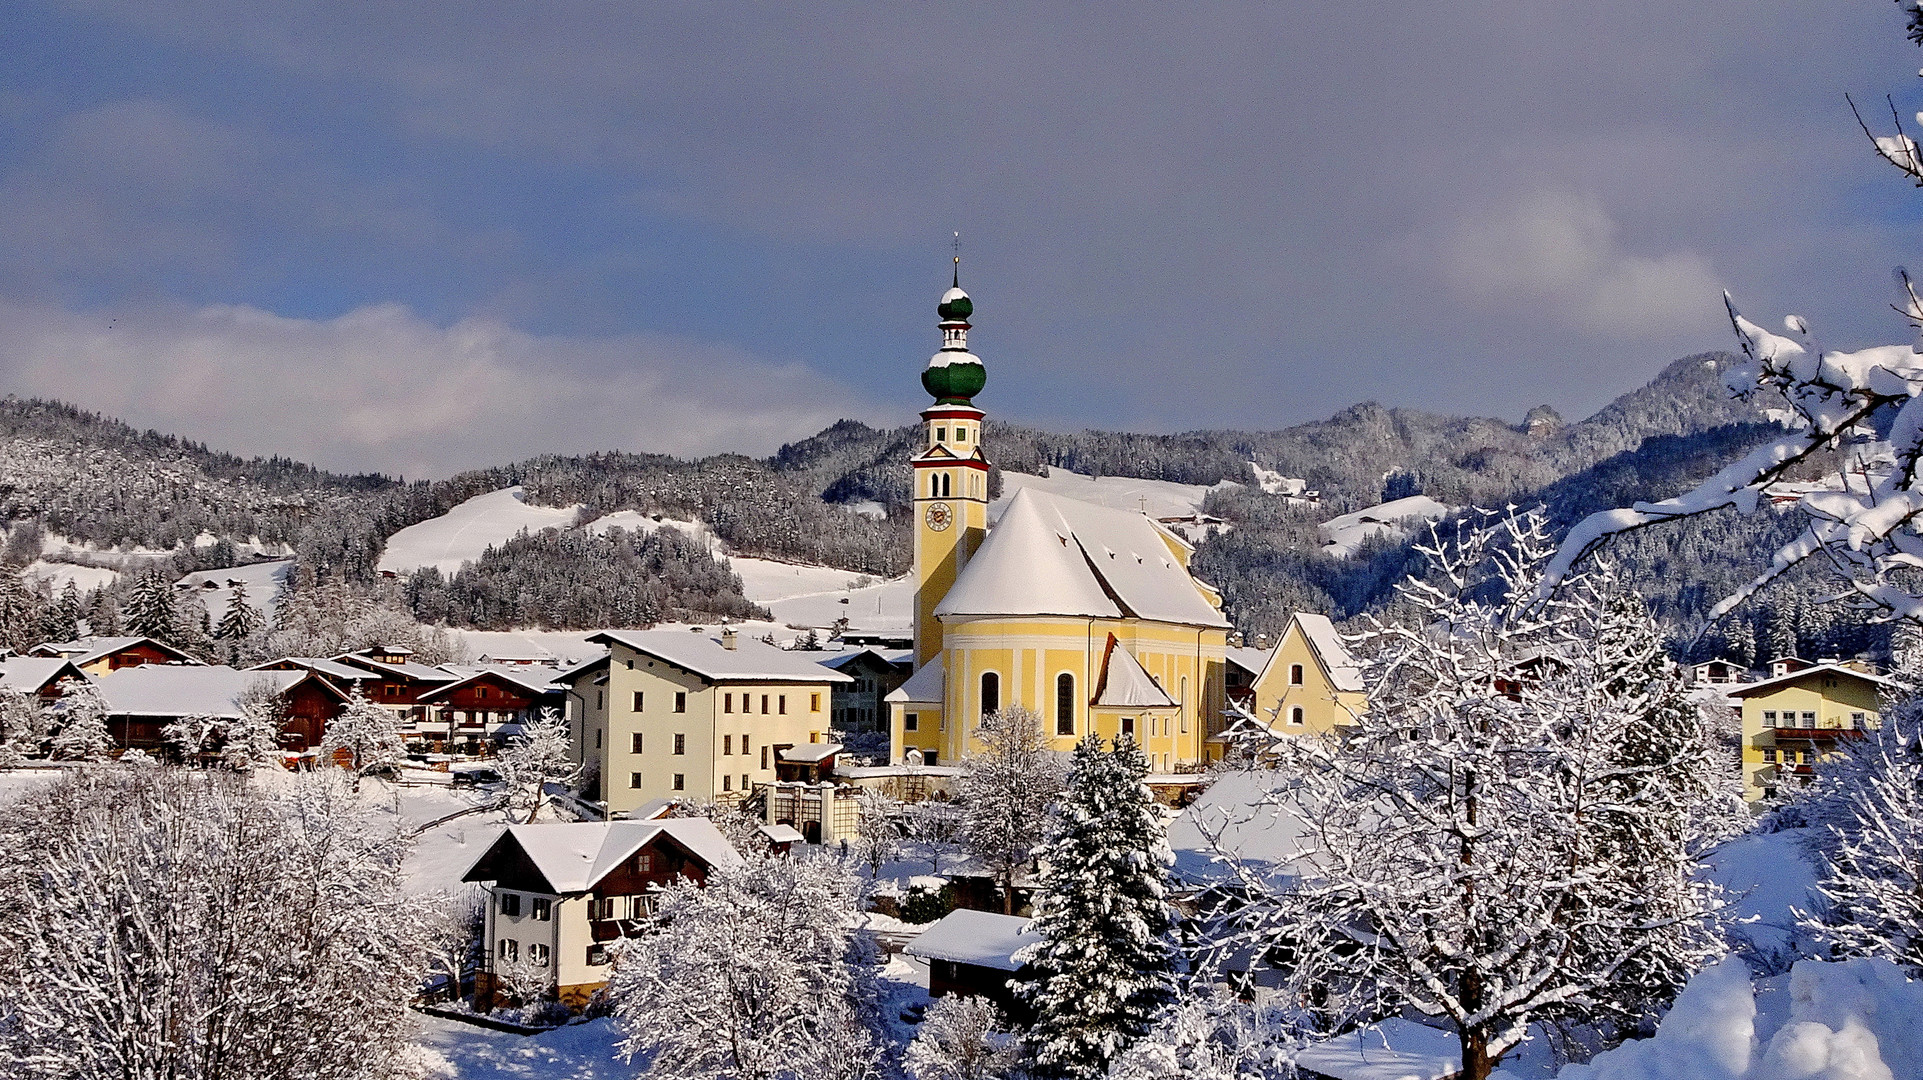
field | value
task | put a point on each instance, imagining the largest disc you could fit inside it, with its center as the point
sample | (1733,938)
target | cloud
(1561,254)
(381,389)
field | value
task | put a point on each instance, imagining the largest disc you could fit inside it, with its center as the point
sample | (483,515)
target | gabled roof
(203,690)
(538,681)
(1124,683)
(573,856)
(335,671)
(837,661)
(1048,555)
(1391,1049)
(1238,818)
(928,686)
(704,655)
(980,938)
(1327,648)
(31,674)
(1766,685)
(406,670)
(1249,659)
(87,650)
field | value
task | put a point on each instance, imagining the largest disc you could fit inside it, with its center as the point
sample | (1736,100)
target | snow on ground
(885,605)
(1344,534)
(85,578)
(1274,483)
(563,646)
(636,521)
(18,783)
(263,581)
(1164,498)
(463,533)
(1765,875)
(576,1052)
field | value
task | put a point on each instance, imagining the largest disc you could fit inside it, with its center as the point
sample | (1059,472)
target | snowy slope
(85,578)
(1164,498)
(262,580)
(1765,876)
(576,1052)
(463,533)
(636,521)
(1342,535)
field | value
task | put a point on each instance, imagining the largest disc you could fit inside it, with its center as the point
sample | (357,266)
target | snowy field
(1163,498)
(263,582)
(577,1052)
(57,574)
(1343,535)
(465,532)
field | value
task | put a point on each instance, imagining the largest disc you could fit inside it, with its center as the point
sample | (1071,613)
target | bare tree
(1011,781)
(368,736)
(541,754)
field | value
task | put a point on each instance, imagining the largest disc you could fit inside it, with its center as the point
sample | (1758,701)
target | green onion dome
(955,306)
(954,376)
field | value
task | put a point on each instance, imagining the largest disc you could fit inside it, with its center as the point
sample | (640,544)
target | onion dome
(954,376)
(955,306)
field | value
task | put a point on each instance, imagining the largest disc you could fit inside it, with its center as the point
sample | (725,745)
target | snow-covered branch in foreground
(1863,406)
(176,923)
(1507,832)
(757,975)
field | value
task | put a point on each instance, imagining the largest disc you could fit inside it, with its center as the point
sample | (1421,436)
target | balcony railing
(1814,734)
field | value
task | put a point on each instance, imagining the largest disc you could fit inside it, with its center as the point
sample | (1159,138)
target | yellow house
(1310,683)
(704,717)
(1087,616)
(1792,719)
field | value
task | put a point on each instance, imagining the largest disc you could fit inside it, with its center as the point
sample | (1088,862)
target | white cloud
(1559,252)
(380,388)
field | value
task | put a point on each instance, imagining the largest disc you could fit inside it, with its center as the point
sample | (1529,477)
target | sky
(418,238)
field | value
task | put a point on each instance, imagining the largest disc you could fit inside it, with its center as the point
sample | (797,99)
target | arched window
(1295,674)
(991,693)
(945,489)
(1064,704)
(1295,715)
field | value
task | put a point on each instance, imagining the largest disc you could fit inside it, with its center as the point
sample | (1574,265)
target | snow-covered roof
(535,680)
(1049,555)
(1343,671)
(925,687)
(29,674)
(405,670)
(1392,1049)
(704,655)
(86,650)
(1249,659)
(1235,818)
(782,834)
(1766,685)
(810,753)
(333,670)
(573,856)
(980,938)
(199,690)
(889,657)
(1126,685)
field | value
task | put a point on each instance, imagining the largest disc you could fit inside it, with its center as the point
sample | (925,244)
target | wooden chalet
(144,699)
(100,655)
(972,954)
(484,703)
(42,676)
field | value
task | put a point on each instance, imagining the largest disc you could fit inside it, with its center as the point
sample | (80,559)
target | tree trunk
(1475,1054)
(1008,893)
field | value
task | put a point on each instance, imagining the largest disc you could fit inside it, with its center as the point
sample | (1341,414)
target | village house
(142,700)
(1086,616)
(972,954)
(701,716)
(876,673)
(42,676)
(484,703)
(100,655)
(1309,683)
(559,894)
(1792,719)
(400,683)
(1243,664)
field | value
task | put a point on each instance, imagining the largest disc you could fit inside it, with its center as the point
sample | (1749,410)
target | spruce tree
(1105,967)
(150,608)
(241,620)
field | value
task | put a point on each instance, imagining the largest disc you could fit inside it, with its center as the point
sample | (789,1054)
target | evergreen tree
(19,615)
(60,620)
(1105,967)
(150,608)
(241,620)
(83,734)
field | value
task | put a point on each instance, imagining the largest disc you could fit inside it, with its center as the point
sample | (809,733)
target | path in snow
(462,534)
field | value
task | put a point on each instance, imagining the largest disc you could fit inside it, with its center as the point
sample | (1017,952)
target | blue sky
(419,238)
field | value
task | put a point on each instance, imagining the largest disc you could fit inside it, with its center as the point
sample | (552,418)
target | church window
(991,693)
(1295,716)
(910,721)
(1065,704)
(1295,674)
(1128,726)
(941,434)
(945,482)
(961,434)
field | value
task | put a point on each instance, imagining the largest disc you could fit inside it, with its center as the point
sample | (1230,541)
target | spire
(954,375)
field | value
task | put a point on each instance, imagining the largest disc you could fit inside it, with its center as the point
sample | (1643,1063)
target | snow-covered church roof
(1054,556)
(1126,685)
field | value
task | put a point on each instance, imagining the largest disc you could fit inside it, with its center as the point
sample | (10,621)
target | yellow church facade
(1085,615)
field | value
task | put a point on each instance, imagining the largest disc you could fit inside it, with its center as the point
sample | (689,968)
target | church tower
(951,472)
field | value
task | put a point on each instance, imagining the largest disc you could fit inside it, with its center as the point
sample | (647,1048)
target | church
(1085,615)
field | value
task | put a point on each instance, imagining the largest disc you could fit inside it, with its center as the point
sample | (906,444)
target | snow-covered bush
(367,736)
(179,923)
(962,1038)
(23,728)
(1012,778)
(1209,1034)
(541,754)
(1105,967)
(83,734)
(756,975)
(878,830)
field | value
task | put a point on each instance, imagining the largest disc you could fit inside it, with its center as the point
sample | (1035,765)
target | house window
(911,721)
(597,738)
(928,757)
(634,780)
(764,757)
(1128,725)
(991,693)
(643,862)
(511,905)
(510,950)
(727,782)
(764,704)
(727,744)
(537,955)
(680,743)
(597,699)
(680,701)
(680,784)
(744,781)
(1769,755)
(1065,704)
(1295,715)
(1809,719)
(634,743)
(727,703)
(1769,717)
(637,701)
(814,702)
(597,956)
(1858,721)
(744,744)
(543,909)
(781,704)
(1295,674)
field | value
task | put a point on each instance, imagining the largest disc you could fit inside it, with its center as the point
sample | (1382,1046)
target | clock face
(939,516)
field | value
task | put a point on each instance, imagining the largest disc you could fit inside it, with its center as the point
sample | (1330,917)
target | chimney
(728,638)
(1261,641)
